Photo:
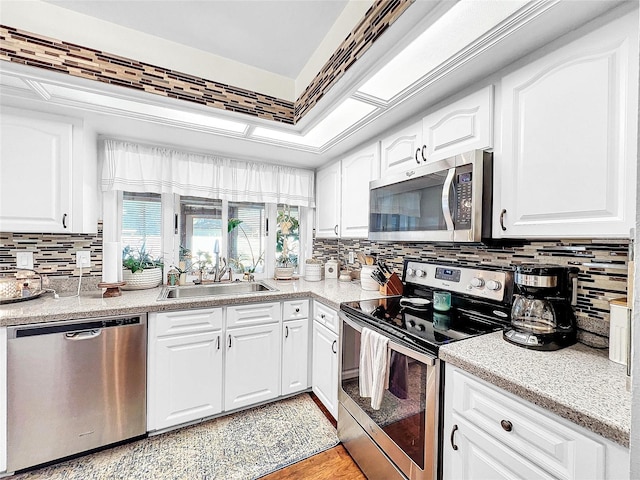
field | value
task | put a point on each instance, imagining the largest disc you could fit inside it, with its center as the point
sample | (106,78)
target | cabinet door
(252,368)
(325,367)
(328,201)
(401,151)
(36,181)
(295,356)
(185,376)
(460,127)
(357,171)
(570,129)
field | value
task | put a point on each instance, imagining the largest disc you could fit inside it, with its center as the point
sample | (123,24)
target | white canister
(366,282)
(331,269)
(313,272)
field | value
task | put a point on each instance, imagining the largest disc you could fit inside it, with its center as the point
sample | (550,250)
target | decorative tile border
(39,51)
(602,264)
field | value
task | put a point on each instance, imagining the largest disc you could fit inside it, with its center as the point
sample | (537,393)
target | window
(142,222)
(247,237)
(287,236)
(200,230)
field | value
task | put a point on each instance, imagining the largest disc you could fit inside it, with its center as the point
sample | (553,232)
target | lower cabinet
(295,356)
(184,367)
(252,366)
(490,433)
(325,367)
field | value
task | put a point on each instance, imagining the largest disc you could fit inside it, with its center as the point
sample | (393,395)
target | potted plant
(140,269)
(237,263)
(286,261)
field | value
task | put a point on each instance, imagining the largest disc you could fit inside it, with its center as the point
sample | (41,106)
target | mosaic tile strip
(54,256)
(602,264)
(39,51)
(35,50)
(377,19)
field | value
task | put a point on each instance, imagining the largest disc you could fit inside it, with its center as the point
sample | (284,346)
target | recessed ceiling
(277,36)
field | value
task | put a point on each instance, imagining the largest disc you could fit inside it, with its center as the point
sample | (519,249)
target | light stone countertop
(578,383)
(331,292)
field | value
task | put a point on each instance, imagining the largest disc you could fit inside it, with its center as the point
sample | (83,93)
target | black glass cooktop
(423,326)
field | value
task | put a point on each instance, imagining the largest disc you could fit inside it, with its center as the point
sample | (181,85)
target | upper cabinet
(342,194)
(461,126)
(402,150)
(568,164)
(41,187)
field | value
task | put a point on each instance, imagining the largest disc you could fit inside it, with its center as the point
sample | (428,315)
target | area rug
(244,445)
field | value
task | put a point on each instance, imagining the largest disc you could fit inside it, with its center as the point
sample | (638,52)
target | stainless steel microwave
(444,201)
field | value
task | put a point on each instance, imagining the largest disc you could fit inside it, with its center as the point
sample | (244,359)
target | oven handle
(428,360)
(446,189)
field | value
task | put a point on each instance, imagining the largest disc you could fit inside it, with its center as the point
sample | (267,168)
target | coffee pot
(542,315)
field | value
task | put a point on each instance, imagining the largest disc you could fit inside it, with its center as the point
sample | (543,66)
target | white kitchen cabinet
(342,194)
(490,433)
(325,365)
(328,201)
(185,359)
(568,165)
(3,399)
(402,150)
(461,126)
(252,365)
(41,186)
(357,170)
(295,356)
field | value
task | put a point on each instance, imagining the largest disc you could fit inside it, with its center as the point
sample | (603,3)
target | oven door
(405,427)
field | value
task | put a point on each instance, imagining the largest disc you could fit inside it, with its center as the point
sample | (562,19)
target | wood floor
(335,463)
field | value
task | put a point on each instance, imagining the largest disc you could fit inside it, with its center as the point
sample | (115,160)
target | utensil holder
(393,286)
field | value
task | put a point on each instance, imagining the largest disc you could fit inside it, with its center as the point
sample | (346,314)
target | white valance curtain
(141,168)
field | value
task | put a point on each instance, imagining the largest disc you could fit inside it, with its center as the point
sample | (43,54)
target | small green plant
(237,264)
(287,232)
(138,259)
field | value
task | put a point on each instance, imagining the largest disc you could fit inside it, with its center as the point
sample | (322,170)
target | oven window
(402,412)
(413,205)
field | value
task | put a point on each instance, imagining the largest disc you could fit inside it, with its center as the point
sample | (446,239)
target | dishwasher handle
(83,335)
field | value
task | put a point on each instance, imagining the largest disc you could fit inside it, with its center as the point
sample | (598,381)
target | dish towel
(373,366)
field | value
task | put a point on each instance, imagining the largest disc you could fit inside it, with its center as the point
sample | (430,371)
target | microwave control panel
(464,196)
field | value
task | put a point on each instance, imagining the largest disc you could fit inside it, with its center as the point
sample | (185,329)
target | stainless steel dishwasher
(74,386)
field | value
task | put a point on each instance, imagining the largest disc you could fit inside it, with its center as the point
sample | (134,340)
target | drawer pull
(506,425)
(453,432)
(298,310)
(322,315)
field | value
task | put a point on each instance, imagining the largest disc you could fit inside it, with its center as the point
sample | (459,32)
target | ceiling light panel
(460,26)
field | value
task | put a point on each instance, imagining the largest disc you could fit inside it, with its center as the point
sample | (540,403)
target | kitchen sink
(210,290)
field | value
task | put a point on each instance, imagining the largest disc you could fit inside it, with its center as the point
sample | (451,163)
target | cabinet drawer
(327,316)
(253,314)
(536,435)
(295,309)
(184,321)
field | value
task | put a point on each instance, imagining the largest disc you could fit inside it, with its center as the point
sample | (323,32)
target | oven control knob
(412,324)
(494,285)
(420,273)
(410,272)
(477,282)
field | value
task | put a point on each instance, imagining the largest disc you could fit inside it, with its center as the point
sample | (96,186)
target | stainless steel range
(399,435)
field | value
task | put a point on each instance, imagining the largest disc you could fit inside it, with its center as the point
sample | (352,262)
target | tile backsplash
(54,256)
(602,264)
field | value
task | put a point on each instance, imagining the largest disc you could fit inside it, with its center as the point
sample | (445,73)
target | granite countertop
(331,292)
(578,383)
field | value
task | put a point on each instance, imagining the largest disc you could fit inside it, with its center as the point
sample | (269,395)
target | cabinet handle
(64,221)
(322,315)
(422,153)
(286,332)
(333,345)
(335,230)
(453,432)
(218,342)
(506,425)
(298,310)
(416,156)
(229,341)
(502,213)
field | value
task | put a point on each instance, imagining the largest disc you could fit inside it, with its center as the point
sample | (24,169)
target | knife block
(393,286)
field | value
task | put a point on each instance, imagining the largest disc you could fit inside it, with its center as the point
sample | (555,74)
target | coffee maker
(542,316)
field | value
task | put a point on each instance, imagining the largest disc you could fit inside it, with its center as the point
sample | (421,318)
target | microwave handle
(446,190)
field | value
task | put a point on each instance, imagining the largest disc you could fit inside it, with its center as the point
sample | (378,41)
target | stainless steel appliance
(542,316)
(444,201)
(74,386)
(401,439)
